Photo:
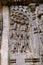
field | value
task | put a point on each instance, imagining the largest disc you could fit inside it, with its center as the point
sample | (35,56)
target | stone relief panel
(23,36)
(19,28)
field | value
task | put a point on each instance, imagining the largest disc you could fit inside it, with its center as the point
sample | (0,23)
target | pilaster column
(5,36)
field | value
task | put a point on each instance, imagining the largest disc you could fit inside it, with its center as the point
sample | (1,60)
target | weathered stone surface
(0,30)
(5,36)
(22,35)
(24,40)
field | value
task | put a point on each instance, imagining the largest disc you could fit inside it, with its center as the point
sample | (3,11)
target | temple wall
(21,35)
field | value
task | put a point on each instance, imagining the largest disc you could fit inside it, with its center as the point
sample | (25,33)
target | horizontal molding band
(32,60)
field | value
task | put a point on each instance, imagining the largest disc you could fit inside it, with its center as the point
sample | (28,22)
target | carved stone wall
(25,33)
(22,36)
